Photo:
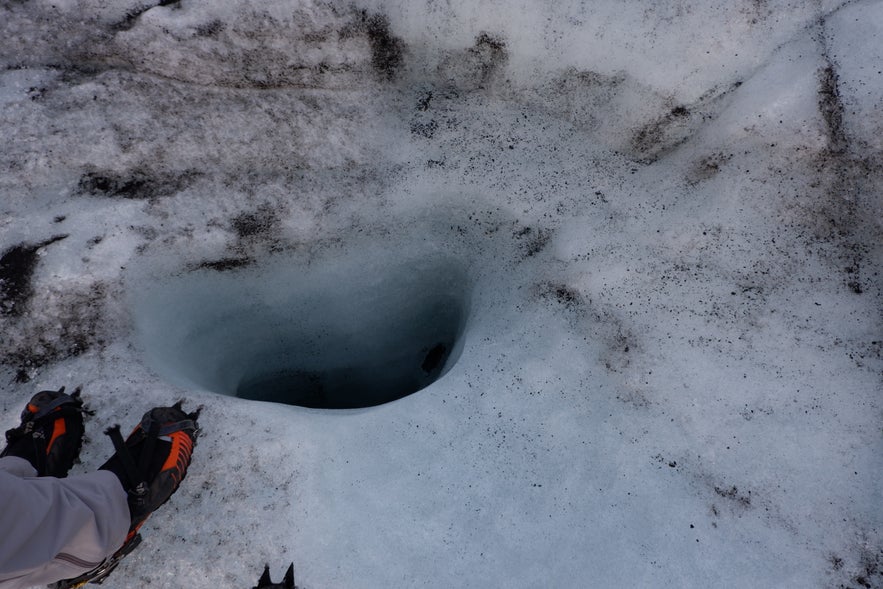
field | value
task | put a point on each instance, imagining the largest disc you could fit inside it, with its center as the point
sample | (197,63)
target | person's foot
(50,434)
(153,460)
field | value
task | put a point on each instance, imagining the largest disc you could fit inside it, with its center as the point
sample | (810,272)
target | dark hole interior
(354,372)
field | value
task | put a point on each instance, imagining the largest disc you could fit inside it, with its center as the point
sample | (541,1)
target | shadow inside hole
(400,359)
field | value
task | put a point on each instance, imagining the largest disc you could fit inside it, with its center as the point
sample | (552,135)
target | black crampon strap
(50,407)
(40,444)
(136,479)
(73,400)
(152,432)
(176,426)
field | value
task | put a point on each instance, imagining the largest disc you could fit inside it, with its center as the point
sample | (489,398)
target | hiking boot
(153,460)
(50,434)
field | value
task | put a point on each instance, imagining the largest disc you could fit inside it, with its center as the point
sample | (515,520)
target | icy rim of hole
(353,331)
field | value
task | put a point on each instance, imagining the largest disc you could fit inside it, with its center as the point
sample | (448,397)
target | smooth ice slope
(656,226)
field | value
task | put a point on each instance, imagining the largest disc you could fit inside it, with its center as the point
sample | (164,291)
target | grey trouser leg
(53,529)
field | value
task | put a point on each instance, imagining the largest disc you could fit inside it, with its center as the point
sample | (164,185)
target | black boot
(153,460)
(50,434)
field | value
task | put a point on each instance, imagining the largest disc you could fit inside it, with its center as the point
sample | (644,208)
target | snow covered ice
(647,235)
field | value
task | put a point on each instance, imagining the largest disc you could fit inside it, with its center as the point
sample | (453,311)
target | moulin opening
(355,333)
(367,360)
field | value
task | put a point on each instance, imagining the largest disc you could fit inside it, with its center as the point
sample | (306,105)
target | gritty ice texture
(651,232)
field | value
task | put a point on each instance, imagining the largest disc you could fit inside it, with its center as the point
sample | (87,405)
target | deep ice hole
(351,333)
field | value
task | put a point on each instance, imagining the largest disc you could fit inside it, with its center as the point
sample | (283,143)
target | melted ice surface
(650,232)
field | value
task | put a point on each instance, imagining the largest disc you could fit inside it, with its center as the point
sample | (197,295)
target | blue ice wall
(355,329)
